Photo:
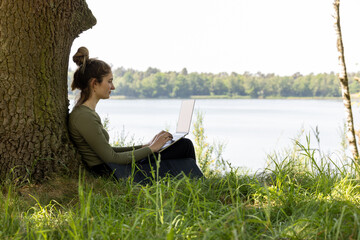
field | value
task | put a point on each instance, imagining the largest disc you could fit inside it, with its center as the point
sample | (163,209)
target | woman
(94,79)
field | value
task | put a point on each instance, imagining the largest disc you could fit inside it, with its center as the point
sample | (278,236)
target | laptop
(183,124)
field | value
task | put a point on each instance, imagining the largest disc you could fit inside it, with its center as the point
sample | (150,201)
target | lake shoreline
(120,97)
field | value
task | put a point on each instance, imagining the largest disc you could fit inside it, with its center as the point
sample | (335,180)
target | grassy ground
(291,201)
(302,194)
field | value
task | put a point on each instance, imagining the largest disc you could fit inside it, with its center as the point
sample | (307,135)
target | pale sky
(270,36)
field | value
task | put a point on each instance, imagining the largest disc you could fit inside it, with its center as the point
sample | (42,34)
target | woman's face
(103,89)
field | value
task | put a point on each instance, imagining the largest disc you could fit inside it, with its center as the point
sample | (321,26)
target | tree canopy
(153,83)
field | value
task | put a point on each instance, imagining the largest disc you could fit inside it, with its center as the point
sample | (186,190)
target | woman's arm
(126,149)
(166,135)
(90,128)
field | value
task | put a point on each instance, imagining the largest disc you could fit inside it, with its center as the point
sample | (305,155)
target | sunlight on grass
(44,216)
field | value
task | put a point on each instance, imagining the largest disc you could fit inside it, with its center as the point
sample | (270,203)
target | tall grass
(209,156)
(302,194)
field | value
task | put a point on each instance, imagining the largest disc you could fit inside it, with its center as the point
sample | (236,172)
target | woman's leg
(177,159)
(183,148)
(185,166)
(180,158)
(173,167)
(146,170)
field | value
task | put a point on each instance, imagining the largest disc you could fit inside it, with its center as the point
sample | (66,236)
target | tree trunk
(344,85)
(35,41)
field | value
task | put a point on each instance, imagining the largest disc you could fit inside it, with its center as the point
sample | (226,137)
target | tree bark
(344,85)
(35,42)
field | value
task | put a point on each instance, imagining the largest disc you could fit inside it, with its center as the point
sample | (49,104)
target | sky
(268,36)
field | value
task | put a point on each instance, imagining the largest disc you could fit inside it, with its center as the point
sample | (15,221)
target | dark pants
(175,160)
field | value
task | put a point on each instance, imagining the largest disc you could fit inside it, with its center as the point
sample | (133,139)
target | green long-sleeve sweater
(92,140)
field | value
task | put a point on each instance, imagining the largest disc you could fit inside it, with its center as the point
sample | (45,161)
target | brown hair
(88,68)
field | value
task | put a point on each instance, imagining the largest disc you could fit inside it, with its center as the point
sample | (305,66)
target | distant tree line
(156,84)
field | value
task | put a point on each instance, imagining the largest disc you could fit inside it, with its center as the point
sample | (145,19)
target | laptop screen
(185,115)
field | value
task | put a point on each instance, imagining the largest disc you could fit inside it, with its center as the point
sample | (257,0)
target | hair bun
(81,56)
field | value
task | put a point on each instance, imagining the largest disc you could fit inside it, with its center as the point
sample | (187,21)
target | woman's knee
(186,141)
(188,148)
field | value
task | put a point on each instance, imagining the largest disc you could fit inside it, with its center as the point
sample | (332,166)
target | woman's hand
(152,140)
(159,140)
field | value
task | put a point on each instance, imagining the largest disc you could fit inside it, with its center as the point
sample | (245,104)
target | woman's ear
(93,83)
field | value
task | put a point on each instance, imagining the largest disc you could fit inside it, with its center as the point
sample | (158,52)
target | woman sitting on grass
(94,79)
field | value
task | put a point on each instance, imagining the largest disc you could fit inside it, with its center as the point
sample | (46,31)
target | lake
(250,128)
